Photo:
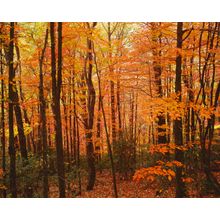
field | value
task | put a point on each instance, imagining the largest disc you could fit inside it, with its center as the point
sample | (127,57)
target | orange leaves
(1,173)
(177,163)
(150,173)
(187,180)
(169,178)
(170,163)
(171,172)
(163,169)
(160,148)
(2,187)
(140,174)
(203,111)
(150,178)
(156,107)
(167,148)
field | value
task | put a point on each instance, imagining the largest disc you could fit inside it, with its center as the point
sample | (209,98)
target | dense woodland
(110,109)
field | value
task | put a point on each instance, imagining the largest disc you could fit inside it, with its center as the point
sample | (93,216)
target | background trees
(139,99)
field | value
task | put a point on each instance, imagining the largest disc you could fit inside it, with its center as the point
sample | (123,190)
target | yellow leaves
(27,130)
(217,126)
(169,178)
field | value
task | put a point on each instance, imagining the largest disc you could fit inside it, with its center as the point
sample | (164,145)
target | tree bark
(43,121)
(178,135)
(2,114)
(56,90)
(11,83)
(91,105)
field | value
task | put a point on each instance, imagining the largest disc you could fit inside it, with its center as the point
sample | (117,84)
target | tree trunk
(56,89)
(11,82)
(158,80)
(112,86)
(2,115)
(19,120)
(89,120)
(43,122)
(178,135)
(107,134)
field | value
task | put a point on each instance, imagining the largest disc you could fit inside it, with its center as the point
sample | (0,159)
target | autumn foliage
(136,104)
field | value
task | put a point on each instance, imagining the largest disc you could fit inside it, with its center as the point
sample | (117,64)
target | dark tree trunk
(66,141)
(56,89)
(11,83)
(18,115)
(78,156)
(112,86)
(98,135)
(158,81)
(74,120)
(178,135)
(119,110)
(16,107)
(90,111)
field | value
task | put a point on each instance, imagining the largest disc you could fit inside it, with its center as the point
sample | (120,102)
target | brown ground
(127,189)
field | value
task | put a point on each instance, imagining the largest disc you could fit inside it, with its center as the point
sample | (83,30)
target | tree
(3,139)
(12,100)
(43,119)
(89,120)
(56,90)
(178,127)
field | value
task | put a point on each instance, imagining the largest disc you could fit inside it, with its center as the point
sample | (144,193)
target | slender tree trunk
(43,122)
(11,82)
(112,86)
(74,120)
(2,115)
(98,135)
(119,110)
(78,156)
(20,126)
(178,135)
(21,91)
(107,134)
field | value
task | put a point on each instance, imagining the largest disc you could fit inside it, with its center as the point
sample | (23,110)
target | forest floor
(128,189)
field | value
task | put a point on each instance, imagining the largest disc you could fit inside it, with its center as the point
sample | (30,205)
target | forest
(109,109)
